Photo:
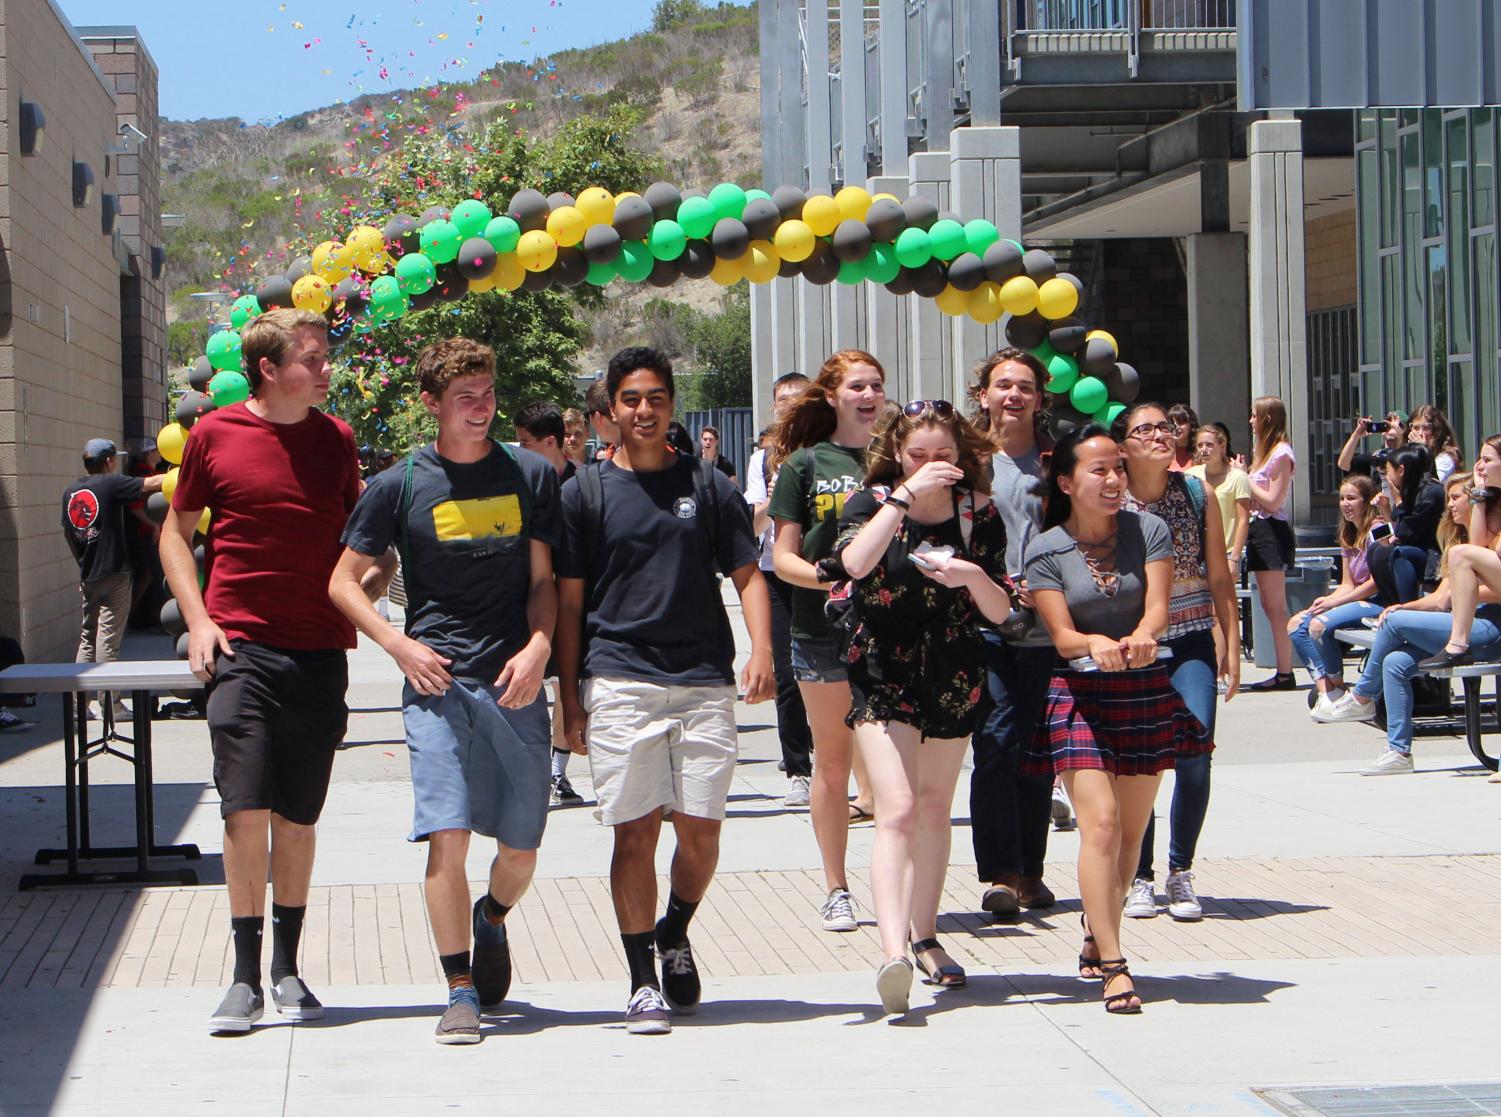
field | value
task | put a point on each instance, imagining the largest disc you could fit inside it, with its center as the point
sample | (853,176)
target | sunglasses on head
(940,407)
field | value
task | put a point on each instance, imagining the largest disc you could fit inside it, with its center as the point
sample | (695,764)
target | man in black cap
(94,524)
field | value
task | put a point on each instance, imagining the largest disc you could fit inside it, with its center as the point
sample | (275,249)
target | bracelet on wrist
(897,502)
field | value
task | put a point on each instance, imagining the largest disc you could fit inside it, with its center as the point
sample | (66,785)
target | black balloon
(156,507)
(1124,383)
(450,283)
(930,279)
(789,201)
(601,244)
(298,268)
(536,281)
(1067,335)
(171,618)
(274,293)
(1026,331)
(822,267)
(1099,357)
(529,210)
(632,218)
(559,200)
(664,273)
(761,218)
(664,199)
(1039,265)
(351,297)
(401,235)
(1003,261)
(192,407)
(851,240)
(476,258)
(571,267)
(1064,418)
(697,260)
(920,212)
(885,219)
(424,301)
(729,239)
(789,269)
(966,272)
(434,213)
(902,284)
(200,374)
(1075,281)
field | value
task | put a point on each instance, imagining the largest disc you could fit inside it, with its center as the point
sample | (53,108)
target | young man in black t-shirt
(642,623)
(476,522)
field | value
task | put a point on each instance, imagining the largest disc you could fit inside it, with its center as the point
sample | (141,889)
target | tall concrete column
(890,320)
(1278,305)
(850,322)
(1219,361)
(985,176)
(932,361)
(815,320)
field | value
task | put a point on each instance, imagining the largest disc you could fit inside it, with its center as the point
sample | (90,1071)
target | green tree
(185,341)
(670,13)
(721,345)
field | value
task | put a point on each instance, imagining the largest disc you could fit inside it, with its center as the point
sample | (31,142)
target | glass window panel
(1458,224)
(1406,118)
(1390,177)
(1416,385)
(1365,124)
(1484,271)
(1412,252)
(1483,167)
(1463,415)
(1433,174)
(1437,325)
(1391,326)
(1368,229)
(1372,391)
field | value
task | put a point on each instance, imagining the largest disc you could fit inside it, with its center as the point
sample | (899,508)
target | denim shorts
(477,766)
(816,660)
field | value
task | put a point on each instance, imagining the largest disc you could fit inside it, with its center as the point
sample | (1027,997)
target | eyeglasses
(1151,430)
(939,407)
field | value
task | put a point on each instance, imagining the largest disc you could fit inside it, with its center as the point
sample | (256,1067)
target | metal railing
(1044,16)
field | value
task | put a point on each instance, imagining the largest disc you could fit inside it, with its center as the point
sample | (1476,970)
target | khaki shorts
(652,745)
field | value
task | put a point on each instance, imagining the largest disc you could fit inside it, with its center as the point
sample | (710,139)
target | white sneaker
(838,912)
(1390,763)
(1141,903)
(1322,707)
(1063,811)
(122,711)
(1182,904)
(1346,708)
(798,792)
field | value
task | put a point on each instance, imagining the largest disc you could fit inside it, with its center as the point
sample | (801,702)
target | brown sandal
(1089,968)
(1119,1004)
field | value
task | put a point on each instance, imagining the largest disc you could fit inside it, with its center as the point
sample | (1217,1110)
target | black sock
(247,935)
(494,910)
(456,969)
(286,932)
(674,925)
(639,956)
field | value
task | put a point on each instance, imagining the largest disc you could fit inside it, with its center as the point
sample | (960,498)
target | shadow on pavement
(1220,988)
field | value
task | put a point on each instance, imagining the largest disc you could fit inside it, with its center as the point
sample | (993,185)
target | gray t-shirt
(1017,487)
(1054,562)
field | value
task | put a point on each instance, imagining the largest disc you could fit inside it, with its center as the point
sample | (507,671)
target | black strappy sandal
(1118,1004)
(945,977)
(1089,968)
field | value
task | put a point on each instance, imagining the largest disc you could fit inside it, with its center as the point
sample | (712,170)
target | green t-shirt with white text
(812,486)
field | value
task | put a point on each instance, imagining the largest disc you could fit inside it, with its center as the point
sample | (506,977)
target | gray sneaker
(646,1015)
(294,1000)
(460,1023)
(798,792)
(241,1007)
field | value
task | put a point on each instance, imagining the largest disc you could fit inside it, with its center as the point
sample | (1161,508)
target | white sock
(560,763)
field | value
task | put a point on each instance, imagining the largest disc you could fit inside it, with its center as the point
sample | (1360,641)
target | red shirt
(279,494)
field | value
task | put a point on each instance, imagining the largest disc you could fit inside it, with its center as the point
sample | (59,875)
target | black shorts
(1270,545)
(275,718)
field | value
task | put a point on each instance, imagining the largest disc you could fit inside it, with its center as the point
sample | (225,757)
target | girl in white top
(1430,427)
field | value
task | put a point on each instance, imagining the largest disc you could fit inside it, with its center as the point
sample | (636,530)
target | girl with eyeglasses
(1102,579)
(1202,590)
(926,550)
(1270,546)
(818,457)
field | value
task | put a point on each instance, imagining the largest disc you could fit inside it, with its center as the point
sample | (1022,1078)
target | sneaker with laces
(838,911)
(122,714)
(9,723)
(680,983)
(563,794)
(1390,763)
(460,1023)
(1141,902)
(294,1000)
(491,964)
(1322,706)
(799,794)
(646,1015)
(1063,811)
(1182,904)
(1346,708)
(241,1007)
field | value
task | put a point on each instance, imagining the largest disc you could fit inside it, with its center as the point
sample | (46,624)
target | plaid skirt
(1129,723)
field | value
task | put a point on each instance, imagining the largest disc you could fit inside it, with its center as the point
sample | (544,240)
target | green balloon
(728,200)
(1044,352)
(666,240)
(601,274)
(223,351)
(1063,372)
(386,289)
(1089,394)
(979,235)
(440,241)
(635,261)
(913,248)
(244,309)
(415,273)
(1109,413)
(697,217)
(503,233)
(753,195)
(227,387)
(948,239)
(470,218)
(880,264)
(851,272)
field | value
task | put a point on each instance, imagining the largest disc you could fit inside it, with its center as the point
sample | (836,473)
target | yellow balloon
(985,303)
(344,261)
(480,286)
(597,205)
(952,301)
(368,245)
(1057,298)
(1019,295)
(761,262)
(821,214)
(853,202)
(536,250)
(1092,334)
(311,293)
(508,272)
(885,197)
(323,261)
(203,522)
(567,226)
(794,241)
(170,441)
(727,273)
(169,482)
(626,194)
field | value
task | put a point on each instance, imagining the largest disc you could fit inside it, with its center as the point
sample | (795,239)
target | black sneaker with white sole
(680,983)
(241,1007)
(491,964)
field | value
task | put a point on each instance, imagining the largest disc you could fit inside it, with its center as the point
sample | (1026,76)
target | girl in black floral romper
(917,666)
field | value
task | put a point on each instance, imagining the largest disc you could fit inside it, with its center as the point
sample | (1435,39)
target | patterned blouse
(1191,608)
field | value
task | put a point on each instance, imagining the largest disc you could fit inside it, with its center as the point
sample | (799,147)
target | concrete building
(81,301)
(1195,162)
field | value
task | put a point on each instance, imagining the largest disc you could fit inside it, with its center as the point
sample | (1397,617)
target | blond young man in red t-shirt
(279,478)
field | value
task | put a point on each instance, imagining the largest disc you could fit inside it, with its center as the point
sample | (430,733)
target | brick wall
(1144,303)
(1329,255)
(60,381)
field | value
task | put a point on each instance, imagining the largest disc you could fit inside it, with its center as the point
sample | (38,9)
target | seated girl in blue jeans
(1312,631)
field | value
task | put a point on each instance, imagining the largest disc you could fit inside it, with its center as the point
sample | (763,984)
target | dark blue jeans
(1194,674)
(1010,812)
(1398,572)
(792,718)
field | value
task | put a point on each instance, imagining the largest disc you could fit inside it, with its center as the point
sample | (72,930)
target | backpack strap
(1196,497)
(707,497)
(591,516)
(403,511)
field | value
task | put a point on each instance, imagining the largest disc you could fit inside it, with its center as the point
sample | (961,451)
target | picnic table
(76,682)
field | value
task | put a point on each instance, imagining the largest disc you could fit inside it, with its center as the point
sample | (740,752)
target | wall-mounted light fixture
(83,184)
(109,209)
(33,128)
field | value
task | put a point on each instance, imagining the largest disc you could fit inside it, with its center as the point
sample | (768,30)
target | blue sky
(264,59)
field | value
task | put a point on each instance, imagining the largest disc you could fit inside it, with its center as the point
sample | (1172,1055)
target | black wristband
(898,502)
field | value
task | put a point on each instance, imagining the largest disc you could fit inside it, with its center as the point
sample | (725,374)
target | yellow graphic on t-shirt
(493,517)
